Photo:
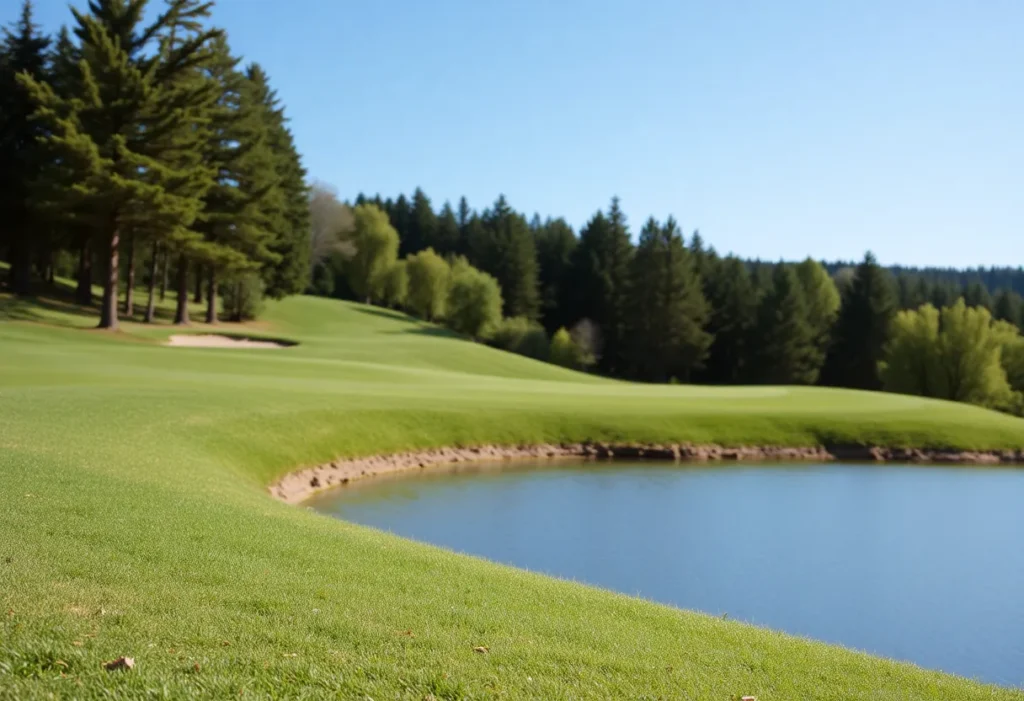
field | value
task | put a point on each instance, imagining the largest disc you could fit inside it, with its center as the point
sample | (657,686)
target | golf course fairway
(136,521)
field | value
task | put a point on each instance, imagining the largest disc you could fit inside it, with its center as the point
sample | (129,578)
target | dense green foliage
(376,253)
(474,300)
(429,279)
(667,309)
(135,139)
(125,536)
(958,353)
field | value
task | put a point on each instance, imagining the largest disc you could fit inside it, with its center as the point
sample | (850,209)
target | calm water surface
(924,564)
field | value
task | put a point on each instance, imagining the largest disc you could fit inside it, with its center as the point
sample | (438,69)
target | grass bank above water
(136,520)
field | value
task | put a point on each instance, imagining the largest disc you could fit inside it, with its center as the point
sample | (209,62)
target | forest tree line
(136,149)
(669,308)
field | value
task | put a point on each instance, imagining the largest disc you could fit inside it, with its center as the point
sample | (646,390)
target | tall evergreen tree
(862,328)
(446,236)
(1008,306)
(285,270)
(734,303)
(107,133)
(555,245)
(23,51)
(422,231)
(242,197)
(462,217)
(600,283)
(513,260)
(977,295)
(787,344)
(400,215)
(667,309)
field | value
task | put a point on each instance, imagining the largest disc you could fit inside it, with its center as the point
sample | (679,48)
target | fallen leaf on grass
(195,668)
(120,663)
(225,643)
(77,643)
(408,633)
(483,649)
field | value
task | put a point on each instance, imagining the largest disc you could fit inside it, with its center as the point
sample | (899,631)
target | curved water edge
(299,485)
(915,563)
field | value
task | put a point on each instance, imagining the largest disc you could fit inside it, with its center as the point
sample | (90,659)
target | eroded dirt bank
(301,484)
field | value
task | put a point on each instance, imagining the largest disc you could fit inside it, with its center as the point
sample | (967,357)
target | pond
(924,564)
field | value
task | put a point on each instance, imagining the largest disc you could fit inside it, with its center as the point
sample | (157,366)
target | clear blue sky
(779,129)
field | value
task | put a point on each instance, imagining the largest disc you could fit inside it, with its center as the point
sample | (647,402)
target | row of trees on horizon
(669,307)
(126,143)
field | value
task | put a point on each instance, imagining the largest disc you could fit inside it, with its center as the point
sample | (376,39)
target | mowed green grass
(135,521)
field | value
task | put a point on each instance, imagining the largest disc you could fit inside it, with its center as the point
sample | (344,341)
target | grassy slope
(135,521)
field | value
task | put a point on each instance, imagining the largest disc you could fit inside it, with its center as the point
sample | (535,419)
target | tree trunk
(83,293)
(108,312)
(181,312)
(211,297)
(151,299)
(163,283)
(129,293)
(198,298)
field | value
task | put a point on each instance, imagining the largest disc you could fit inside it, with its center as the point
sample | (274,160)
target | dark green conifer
(667,308)
(786,352)
(22,155)
(862,328)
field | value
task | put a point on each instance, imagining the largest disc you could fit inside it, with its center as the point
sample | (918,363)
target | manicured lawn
(135,521)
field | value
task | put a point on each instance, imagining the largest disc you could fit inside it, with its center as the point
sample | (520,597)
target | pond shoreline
(299,485)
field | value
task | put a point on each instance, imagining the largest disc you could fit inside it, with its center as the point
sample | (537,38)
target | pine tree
(23,50)
(1008,306)
(734,304)
(400,215)
(462,217)
(555,243)
(977,295)
(600,283)
(446,232)
(667,309)
(422,226)
(285,270)
(862,328)
(513,260)
(786,342)
(107,133)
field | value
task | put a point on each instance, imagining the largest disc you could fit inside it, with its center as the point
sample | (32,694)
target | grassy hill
(136,522)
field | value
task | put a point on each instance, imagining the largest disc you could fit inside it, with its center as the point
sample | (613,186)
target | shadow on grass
(416,326)
(391,314)
(56,304)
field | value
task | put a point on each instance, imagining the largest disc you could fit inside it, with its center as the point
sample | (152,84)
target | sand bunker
(205,340)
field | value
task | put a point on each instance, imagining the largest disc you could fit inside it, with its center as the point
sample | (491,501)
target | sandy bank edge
(301,484)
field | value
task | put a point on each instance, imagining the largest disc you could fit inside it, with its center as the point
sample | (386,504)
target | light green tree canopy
(396,284)
(954,354)
(376,251)
(474,300)
(428,284)
(566,353)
